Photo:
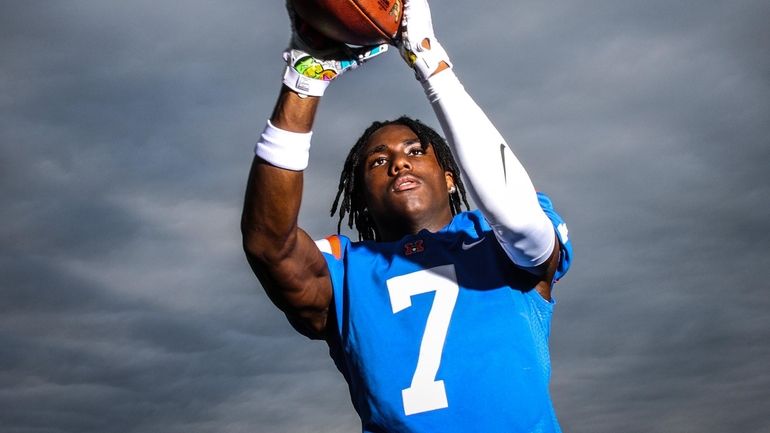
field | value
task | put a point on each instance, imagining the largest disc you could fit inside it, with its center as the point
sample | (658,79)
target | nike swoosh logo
(502,156)
(472,244)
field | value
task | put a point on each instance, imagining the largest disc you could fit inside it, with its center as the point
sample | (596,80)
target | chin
(406,209)
(412,204)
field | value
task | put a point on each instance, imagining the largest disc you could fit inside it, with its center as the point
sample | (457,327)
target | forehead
(389,134)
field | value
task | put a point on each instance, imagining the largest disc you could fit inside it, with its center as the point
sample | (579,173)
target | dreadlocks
(351,185)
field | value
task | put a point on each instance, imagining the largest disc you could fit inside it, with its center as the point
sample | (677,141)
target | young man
(438,319)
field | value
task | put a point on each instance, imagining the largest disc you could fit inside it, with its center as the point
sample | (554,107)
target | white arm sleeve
(494,177)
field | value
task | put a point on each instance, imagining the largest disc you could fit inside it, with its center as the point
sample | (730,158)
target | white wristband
(284,149)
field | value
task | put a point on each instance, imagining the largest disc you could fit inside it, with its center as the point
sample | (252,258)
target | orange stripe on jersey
(334,241)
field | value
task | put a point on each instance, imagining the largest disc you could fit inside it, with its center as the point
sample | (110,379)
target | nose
(399,163)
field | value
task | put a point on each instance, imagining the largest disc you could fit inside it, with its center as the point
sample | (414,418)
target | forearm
(496,180)
(294,113)
(271,206)
(273,193)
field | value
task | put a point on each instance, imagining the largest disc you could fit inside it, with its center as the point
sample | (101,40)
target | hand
(418,44)
(313,60)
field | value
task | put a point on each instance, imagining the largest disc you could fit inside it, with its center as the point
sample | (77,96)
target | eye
(416,150)
(376,162)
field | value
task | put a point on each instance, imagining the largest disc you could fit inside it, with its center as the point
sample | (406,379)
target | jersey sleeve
(562,234)
(334,249)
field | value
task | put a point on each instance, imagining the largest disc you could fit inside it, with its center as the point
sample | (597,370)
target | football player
(438,318)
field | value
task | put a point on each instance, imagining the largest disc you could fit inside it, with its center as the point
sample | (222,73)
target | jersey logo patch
(472,244)
(413,247)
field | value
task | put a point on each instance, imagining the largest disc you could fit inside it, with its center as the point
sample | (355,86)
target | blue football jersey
(440,332)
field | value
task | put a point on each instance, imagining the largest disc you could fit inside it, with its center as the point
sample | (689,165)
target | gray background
(126,133)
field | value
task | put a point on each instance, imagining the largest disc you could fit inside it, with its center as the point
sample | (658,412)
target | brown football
(356,22)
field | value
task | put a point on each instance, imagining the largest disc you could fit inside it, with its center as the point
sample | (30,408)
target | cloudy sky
(126,133)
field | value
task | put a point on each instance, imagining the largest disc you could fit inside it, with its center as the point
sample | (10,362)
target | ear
(450,180)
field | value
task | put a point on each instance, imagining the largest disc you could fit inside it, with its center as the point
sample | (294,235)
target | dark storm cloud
(80,357)
(126,133)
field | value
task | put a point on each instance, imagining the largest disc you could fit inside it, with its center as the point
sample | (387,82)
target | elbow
(250,237)
(518,215)
(527,245)
(252,249)
(516,221)
(266,247)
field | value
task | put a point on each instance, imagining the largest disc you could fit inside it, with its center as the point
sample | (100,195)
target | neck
(395,229)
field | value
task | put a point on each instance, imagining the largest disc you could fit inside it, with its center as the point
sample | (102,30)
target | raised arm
(284,258)
(497,181)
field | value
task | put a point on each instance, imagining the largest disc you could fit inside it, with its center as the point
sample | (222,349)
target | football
(355,22)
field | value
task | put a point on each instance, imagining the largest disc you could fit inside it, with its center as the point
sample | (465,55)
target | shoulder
(333,245)
(340,248)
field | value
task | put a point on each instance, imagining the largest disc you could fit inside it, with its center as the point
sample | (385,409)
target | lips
(405,183)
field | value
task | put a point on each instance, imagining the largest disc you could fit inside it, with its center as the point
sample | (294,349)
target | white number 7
(425,392)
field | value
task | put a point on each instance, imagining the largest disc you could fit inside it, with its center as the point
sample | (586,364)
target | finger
(365,53)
